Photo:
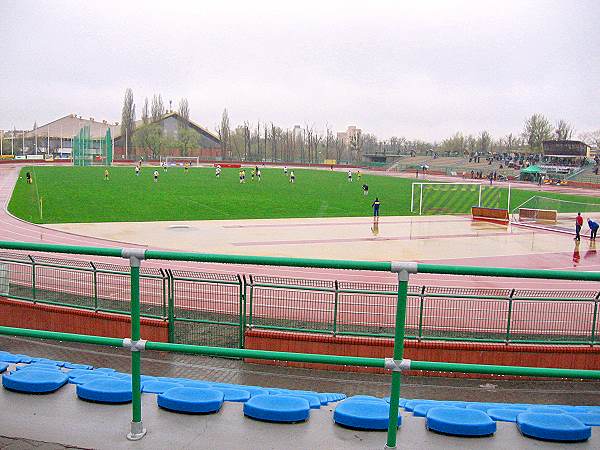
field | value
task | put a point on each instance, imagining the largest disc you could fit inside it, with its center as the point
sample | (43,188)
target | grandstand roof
(203,131)
(68,126)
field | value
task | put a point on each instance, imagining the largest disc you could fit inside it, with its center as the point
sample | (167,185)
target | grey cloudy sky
(414,69)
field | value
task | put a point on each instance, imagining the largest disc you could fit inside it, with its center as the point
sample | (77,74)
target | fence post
(251,297)
(164,293)
(397,363)
(421,308)
(171,306)
(509,317)
(242,310)
(135,344)
(95,281)
(335,306)
(595,318)
(33,294)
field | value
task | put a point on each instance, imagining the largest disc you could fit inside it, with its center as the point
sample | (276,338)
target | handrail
(395,364)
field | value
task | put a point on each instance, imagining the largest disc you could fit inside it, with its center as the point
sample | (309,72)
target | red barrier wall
(568,357)
(14,313)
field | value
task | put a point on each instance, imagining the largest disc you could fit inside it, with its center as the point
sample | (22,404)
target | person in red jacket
(578,225)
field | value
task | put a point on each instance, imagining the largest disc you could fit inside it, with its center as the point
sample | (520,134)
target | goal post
(455,198)
(552,213)
(180,160)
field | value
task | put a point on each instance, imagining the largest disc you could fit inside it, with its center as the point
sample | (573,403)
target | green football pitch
(80,194)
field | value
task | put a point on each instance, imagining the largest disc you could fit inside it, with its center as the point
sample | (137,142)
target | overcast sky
(415,69)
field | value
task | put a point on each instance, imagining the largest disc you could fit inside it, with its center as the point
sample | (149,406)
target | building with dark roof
(208,145)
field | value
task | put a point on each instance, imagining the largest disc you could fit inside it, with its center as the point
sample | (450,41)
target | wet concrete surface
(350,383)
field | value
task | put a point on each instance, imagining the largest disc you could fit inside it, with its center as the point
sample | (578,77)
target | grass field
(68,194)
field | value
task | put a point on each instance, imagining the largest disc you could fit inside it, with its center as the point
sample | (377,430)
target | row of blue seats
(562,423)
(106,385)
(548,422)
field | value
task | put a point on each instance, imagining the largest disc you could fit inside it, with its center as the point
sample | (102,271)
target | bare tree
(224,133)
(484,141)
(184,110)
(145,112)
(536,130)
(563,131)
(128,117)
(158,109)
(591,138)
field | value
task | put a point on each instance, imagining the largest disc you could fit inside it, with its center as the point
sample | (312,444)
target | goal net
(180,160)
(553,214)
(454,198)
(89,151)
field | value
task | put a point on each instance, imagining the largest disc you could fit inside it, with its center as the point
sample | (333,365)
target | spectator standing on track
(578,225)
(365,188)
(593,229)
(375,206)
(156,176)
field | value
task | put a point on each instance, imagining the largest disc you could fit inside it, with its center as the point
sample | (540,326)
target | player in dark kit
(375,206)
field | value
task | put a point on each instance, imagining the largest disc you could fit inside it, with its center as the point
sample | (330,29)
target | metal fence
(356,312)
(206,308)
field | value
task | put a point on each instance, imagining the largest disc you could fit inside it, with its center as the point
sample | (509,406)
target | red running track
(13,229)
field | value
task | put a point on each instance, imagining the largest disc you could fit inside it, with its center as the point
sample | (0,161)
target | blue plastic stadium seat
(363,414)
(191,400)
(313,401)
(10,358)
(460,422)
(421,409)
(485,406)
(158,387)
(79,372)
(254,390)
(3,366)
(25,359)
(48,361)
(34,381)
(195,384)
(83,379)
(591,419)
(277,408)
(105,370)
(504,414)
(69,365)
(545,410)
(553,427)
(39,366)
(105,390)
(233,395)
(410,404)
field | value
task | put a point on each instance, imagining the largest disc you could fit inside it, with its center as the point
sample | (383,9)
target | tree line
(266,141)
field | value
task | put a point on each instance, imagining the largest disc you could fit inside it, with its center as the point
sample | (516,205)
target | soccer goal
(553,214)
(180,160)
(455,198)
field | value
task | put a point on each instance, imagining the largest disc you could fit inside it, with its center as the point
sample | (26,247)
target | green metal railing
(215,309)
(396,364)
